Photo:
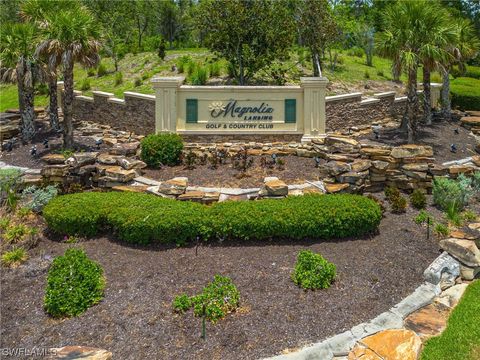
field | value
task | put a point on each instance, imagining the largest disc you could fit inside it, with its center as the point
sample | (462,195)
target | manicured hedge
(143,218)
(473,72)
(466,93)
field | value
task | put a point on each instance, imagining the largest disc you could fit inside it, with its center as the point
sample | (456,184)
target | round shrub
(161,149)
(418,199)
(74,283)
(312,271)
(144,218)
(399,204)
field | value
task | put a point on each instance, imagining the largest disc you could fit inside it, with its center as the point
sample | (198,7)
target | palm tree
(464,47)
(38,12)
(72,36)
(17,55)
(405,40)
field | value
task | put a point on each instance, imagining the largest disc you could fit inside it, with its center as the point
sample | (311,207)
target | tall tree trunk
(68,105)
(28,101)
(427,96)
(52,89)
(412,104)
(317,69)
(396,70)
(445,94)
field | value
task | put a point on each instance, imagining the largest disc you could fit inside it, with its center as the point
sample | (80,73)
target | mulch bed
(135,320)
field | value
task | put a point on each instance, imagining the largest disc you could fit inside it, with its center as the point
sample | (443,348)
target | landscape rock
(107,159)
(411,150)
(452,295)
(469,273)
(444,263)
(81,352)
(361,165)
(125,149)
(54,159)
(175,186)
(464,250)
(116,173)
(130,188)
(334,188)
(335,168)
(192,196)
(55,170)
(83,158)
(429,321)
(129,164)
(276,187)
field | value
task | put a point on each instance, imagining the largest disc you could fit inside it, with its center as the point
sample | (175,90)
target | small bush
(16,233)
(399,205)
(469,215)
(380,73)
(14,258)
(199,76)
(143,218)
(161,149)
(137,82)
(312,271)
(453,215)
(85,84)
(182,62)
(216,300)
(9,181)
(465,93)
(441,229)
(91,72)
(418,199)
(422,217)
(37,198)
(24,212)
(74,283)
(473,72)
(4,223)
(355,51)
(215,69)
(41,89)
(101,70)
(391,192)
(448,193)
(118,78)
(182,303)
(366,75)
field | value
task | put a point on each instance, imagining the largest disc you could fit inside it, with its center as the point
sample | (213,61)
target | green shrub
(465,93)
(453,215)
(418,199)
(399,205)
(473,72)
(448,193)
(4,223)
(366,75)
(91,72)
(101,70)
(182,62)
(16,233)
(422,217)
(215,69)
(137,82)
(469,215)
(143,218)
(85,84)
(161,149)
(312,271)
(118,78)
(14,257)
(441,229)
(199,76)
(37,198)
(355,51)
(182,303)
(9,181)
(380,73)
(74,283)
(217,299)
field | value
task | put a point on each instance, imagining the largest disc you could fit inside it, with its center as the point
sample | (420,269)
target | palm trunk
(445,95)
(52,89)
(28,101)
(427,96)
(68,105)
(412,104)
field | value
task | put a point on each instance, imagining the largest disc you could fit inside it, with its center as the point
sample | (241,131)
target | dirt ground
(135,319)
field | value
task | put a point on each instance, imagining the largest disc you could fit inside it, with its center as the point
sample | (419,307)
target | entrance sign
(217,110)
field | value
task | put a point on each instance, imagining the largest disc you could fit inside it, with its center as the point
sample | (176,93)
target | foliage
(183,62)
(101,70)
(9,180)
(182,303)
(418,199)
(472,72)
(137,82)
(15,233)
(215,69)
(248,49)
(312,271)
(199,76)
(399,204)
(118,78)
(14,257)
(74,283)
(37,198)
(423,217)
(216,300)
(85,84)
(469,215)
(190,160)
(449,193)
(4,222)
(453,215)
(143,218)
(161,149)
(466,93)
(391,192)
(460,340)
(441,229)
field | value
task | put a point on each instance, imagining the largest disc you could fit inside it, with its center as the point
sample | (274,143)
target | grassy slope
(143,66)
(461,339)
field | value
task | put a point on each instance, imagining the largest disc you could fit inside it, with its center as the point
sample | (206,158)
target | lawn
(461,339)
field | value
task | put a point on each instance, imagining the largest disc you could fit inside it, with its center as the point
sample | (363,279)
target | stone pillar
(60,88)
(166,103)
(435,89)
(313,106)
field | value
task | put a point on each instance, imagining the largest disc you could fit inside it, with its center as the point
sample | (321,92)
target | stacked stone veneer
(136,112)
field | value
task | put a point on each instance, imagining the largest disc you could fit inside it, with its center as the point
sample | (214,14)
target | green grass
(9,97)
(461,339)
(466,93)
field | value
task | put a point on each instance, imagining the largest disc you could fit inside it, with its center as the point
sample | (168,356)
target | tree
(464,47)
(406,25)
(17,54)
(73,36)
(249,34)
(317,28)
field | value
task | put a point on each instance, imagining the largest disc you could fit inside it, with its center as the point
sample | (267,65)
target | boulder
(211,197)
(466,251)
(276,187)
(334,188)
(469,273)
(54,159)
(360,165)
(429,321)
(125,149)
(335,168)
(107,159)
(394,344)
(82,158)
(422,167)
(470,121)
(81,352)
(175,186)
(411,150)
(452,295)
(460,169)
(129,164)
(476,160)
(55,170)
(116,173)
(438,170)
(342,144)
(353,177)
(110,141)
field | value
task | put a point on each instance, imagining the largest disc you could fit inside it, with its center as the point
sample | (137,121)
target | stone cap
(344,97)
(313,81)
(170,81)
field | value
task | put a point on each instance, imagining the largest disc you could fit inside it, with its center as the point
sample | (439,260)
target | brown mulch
(135,319)
(440,135)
